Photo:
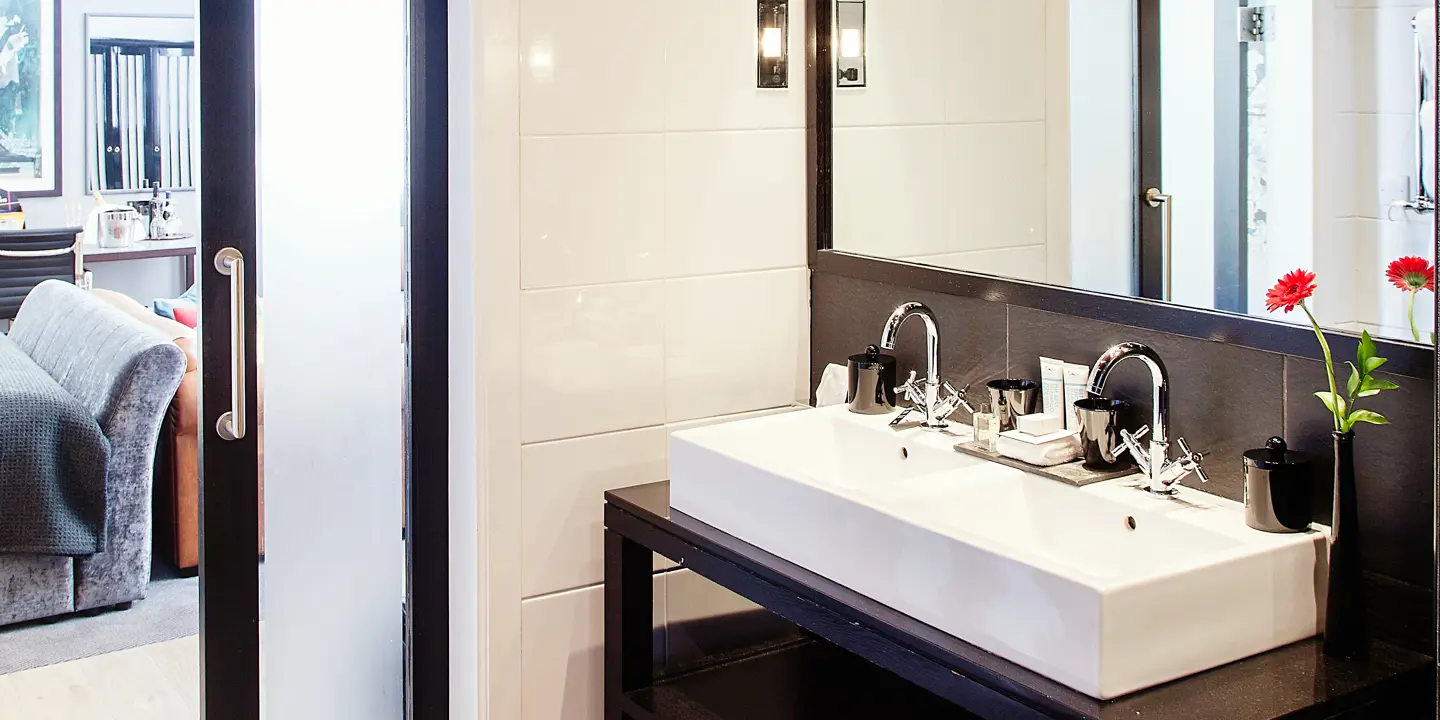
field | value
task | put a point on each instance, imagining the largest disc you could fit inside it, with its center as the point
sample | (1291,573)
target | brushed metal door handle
(231,425)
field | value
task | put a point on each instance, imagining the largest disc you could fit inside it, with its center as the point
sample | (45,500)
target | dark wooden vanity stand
(860,659)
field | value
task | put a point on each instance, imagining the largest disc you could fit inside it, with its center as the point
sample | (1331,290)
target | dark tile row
(1224,399)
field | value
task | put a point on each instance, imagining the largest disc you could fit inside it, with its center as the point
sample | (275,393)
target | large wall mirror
(140,107)
(1176,150)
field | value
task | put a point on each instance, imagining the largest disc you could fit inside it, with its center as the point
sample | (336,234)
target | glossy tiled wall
(662,284)
(1374,114)
(954,117)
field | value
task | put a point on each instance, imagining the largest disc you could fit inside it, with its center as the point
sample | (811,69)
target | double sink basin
(1103,588)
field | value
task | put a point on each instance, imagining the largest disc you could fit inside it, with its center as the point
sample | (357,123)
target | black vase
(1346,634)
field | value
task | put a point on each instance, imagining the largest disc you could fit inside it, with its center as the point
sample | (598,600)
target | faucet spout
(932,336)
(935,397)
(1159,379)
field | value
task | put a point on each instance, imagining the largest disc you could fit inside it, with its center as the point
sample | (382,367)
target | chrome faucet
(932,396)
(1161,473)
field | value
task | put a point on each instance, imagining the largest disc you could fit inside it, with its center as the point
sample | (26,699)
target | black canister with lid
(872,383)
(1277,488)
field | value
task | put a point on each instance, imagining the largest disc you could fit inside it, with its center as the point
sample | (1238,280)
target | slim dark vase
(1346,634)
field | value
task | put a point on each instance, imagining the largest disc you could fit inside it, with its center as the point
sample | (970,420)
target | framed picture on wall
(30,97)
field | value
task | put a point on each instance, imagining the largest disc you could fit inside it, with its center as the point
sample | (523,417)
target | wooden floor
(155,682)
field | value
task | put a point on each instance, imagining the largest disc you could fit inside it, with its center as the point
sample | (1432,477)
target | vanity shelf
(865,652)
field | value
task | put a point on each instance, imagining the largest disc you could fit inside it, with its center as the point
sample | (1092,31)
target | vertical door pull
(1155,198)
(231,425)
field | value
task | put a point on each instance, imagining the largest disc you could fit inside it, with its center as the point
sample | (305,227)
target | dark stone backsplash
(1225,399)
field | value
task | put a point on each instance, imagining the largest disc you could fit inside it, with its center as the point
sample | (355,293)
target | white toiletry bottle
(987,428)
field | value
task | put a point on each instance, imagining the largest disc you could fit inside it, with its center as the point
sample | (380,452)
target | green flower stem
(1329,363)
(1410,311)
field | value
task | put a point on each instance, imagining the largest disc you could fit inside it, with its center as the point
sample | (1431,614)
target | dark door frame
(1231,103)
(229,512)
(427,362)
(229,583)
(1148,275)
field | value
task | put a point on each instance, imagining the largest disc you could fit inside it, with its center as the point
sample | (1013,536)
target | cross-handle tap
(1171,471)
(947,400)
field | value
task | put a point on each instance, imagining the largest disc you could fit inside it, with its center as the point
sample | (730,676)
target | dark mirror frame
(1406,358)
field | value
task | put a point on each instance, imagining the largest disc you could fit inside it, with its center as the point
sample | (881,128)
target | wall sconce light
(850,56)
(772,45)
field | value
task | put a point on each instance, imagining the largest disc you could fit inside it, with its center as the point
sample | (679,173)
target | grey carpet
(170,610)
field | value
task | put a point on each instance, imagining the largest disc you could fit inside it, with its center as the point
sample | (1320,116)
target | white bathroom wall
(644,261)
(1339,151)
(1376,118)
(956,152)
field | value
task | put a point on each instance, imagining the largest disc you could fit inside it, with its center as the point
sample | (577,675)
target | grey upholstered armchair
(125,374)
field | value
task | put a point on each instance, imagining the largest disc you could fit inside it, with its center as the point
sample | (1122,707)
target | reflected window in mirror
(140,78)
(1280,137)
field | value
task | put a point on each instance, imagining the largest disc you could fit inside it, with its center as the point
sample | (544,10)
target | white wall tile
(906,44)
(587,209)
(1341,192)
(563,653)
(732,342)
(891,195)
(1384,59)
(734,201)
(710,69)
(1343,66)
(564,488)
(592,360)
(591,67)
(1385,157)
(997,184)
(996,61)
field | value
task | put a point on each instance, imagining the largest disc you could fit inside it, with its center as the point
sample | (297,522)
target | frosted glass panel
(332,176)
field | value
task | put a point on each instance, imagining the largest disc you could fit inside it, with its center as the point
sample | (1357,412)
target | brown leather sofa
(180,443)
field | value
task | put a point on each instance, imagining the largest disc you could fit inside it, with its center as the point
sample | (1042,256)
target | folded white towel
(834,386)
(1062,448)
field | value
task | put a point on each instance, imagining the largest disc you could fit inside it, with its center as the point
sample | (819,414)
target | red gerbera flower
(1292,289)
(1412,274)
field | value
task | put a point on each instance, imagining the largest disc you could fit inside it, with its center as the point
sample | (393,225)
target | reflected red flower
(1412,274)
(1291,290)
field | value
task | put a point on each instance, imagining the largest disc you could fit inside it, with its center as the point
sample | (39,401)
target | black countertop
(1295,681)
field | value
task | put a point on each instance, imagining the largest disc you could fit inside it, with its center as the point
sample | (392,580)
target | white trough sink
(1049,576)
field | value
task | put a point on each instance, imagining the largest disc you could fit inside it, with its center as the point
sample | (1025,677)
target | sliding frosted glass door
(332,99)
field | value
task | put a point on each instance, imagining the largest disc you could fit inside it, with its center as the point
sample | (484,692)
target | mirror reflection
(140,129)
(1167,149)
